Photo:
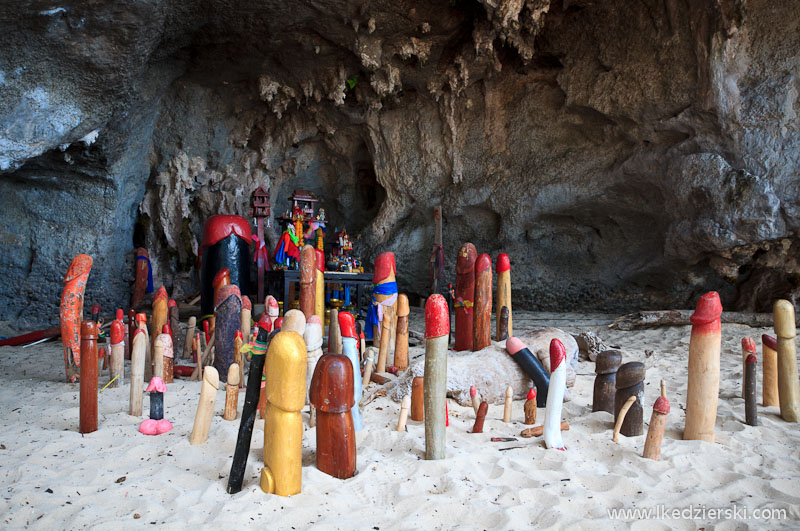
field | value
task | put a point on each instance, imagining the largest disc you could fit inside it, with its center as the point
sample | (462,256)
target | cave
(627,156)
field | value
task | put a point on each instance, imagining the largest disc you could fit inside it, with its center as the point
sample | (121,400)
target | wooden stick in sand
(88,394)
(370,355)
(417,399)
(507,405)
(187,347)
(158,356)
(231,393)
(117,366)
(405,406)
(750,384)
(174,323)
(630,382)
(476,400)
(465,296)
(480,416)
(504,297)
(482,320)
(703,389)
(138,350)
(788,386)
(748,347)
(283,421)
(658,422)
(437,330)
(238,356)
(537,431)
(769,386)
(555,396)
(605,383)
(530,407)
(205,406)
(401,344)
(621,414)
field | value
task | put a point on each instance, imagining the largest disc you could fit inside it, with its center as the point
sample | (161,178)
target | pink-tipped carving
(769,342)
(751,358)
(472,390)
(156,384)
(557,354)
(661,405)
(748,344)
(514,345)
(314,319)
(437,321)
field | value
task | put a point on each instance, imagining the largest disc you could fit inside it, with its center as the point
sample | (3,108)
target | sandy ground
(55,478)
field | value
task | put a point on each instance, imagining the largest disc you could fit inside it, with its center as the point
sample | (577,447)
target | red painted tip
(272,303)
(503,263)
(314,319)
(769,342)
(224,272)
(264,319)
(320,259)
(226,291)
(392,370)
(347,325)
(95,308)
(708,310)
(751,358)
(156,384)
(172,304)
(278,323)
(661,405)
(161,293)
(437,321)
(138,331)
(748,344)
(472,390)
(206,326)
(239,335)
(117,331)
(247,304)
(531,394)
(483,263)
(514,345)
(120,314)
(141,318)
(384,266)
(222,226)
(557,354)
(166,330)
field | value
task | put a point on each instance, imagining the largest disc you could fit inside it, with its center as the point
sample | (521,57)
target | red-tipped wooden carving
(769,366)
(505,326)
(703,389)
(71,313)
(308,281)
(658,422)
(530,407)
(480,417)
(117,365)
(482,319)
(437,330)
(465,295)
(144,277)
(159,318)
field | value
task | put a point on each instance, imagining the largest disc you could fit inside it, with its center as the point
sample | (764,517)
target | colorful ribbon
(375,313)
(261,250)
(461,303)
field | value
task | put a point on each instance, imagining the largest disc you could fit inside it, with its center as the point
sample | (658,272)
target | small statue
(156,424)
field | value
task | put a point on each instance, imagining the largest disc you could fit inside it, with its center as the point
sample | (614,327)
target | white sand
(174,485)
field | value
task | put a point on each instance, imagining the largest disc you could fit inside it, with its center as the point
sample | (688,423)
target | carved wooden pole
(788,387)
(502,324)
(174,324)
(370,356)
(703,390)
(231,393)
(313,339)
(748,347)
(319,299)
(465,296)
(283,422)
(401,346)
(71,313)
(605,383)
(630,382)
(144,277)
(88,397)
(332,395)
(334,336)
(529,363)
(238,356)
(405,406)
(205,407)
(482,320)
(187,347)
(504,294)
(138,350)
(437,329)
(658,422)
(245,436)
(159,318)
(480,416)
(508,404)
(530,407)
(158,357)
(228,319)
(347,326)
(168,352)
(308,281)
(117,366)
(141,324)
(476,401)
(769,355)
(131,331)
(418,399)
(750,379)
(555,396)
(384,295)
(246,318)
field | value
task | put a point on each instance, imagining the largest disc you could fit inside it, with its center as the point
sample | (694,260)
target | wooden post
(308,281)
(246,318)
(205,407)
(555,398)
(88,395)
(437,329)
(417,399)
(143,277)
(238,356)
(750,379)
(313,339)
(769,386)
(347,326)
(319,299)
(504,295)
(227,320)
(630,382)
(480,416)
(703,389)
(405,406)
(174,325)
(401,346)
(138,350)
(159,318)
(788,386)
(482,320)
(245,436)
(71,313)
(437,257)
(117,366)
(158,357)
(530,407)
(369,353)
(141,324)
(164,344)
(334,336)
(332,394)
(476,401)
(231,393)
(131,331)
(605,383)
(508,404)
(465,296)
(187,347)
(283,422)
(384,280)
(748,347)
(529,363)
(658,422)
(502,324)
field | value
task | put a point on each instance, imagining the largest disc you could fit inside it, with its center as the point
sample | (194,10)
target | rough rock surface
(623,154)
